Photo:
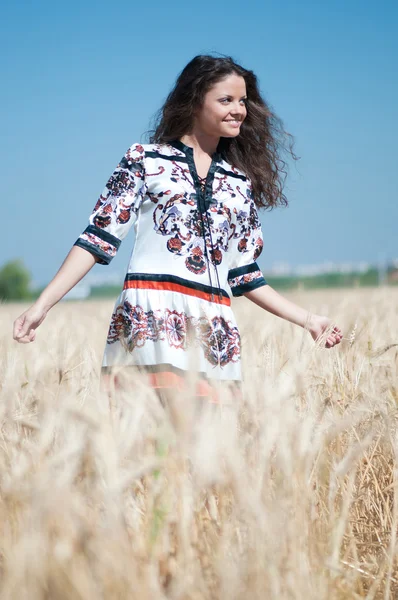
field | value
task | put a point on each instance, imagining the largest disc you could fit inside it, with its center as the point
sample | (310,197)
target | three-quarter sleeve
(245,274)
(117,208)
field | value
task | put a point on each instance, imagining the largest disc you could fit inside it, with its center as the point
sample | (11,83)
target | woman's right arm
(114,213)
(75,266)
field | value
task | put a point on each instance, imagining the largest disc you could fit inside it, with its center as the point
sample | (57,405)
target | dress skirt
(167,380)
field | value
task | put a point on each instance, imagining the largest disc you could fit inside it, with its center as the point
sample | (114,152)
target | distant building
(392,272)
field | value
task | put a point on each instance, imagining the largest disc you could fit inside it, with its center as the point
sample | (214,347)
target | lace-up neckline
(202,182)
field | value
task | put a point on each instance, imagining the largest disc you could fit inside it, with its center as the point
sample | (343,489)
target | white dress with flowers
(196,246)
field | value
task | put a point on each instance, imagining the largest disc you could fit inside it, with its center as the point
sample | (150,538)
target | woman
(193,195)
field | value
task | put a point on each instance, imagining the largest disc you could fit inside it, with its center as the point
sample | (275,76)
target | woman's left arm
(270,300)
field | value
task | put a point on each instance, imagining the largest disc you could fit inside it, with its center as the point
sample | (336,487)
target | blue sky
(82,81)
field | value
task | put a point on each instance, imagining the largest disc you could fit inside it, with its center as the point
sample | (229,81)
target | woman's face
(224,108)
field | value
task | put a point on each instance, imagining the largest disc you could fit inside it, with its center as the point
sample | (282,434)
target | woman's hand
(25,326)
(320,326)
(75,266)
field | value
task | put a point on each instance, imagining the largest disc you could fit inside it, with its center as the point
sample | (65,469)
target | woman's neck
(201,142)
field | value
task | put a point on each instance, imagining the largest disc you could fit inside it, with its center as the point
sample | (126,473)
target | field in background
(288,493)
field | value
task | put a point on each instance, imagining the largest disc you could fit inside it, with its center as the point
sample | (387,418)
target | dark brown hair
(258,149)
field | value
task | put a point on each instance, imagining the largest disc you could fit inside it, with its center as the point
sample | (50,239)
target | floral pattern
(204,232)
(133,327)
(102,245)
(123,192)
(246,278)
(189,233)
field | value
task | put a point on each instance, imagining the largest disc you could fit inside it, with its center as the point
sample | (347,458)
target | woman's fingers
(334,337)
(333,340)
(24,339)
(19,328)
(23,332)
(27,323)
(333,334)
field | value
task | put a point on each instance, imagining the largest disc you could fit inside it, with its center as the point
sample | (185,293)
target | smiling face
(224,108)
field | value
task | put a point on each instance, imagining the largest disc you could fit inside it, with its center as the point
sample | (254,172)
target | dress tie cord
(202,184)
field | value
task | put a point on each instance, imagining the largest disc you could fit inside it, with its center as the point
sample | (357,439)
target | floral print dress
(196,246)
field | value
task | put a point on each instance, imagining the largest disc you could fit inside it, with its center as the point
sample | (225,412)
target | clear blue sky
(82,80)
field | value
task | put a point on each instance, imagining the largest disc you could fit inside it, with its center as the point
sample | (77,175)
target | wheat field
(289,492)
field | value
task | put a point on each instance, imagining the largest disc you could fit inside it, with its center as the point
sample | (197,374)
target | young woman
(192,194)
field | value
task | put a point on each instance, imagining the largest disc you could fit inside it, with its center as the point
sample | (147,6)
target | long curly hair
(262,143)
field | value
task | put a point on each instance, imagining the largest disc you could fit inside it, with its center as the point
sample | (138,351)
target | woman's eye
(226,100)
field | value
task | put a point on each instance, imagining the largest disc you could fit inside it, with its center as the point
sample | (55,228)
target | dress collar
(216,157)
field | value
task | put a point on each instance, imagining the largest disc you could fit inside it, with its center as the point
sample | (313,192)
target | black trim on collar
(173,157)
(179,145)
(231,173)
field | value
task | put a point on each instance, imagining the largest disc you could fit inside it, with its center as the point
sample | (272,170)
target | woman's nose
(238,110)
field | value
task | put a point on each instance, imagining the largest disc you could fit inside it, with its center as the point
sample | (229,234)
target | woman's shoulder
(135,152)
(232,170)
(139,149)
(138,152)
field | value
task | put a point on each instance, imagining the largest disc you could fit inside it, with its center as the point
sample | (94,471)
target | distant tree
(14,281)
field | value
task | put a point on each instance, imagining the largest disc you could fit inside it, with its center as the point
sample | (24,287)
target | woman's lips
(233,123)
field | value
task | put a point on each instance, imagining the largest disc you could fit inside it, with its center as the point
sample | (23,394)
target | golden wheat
(289,492)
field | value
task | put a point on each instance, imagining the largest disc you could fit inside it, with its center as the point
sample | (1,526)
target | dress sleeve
(117,207)
(246,275)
